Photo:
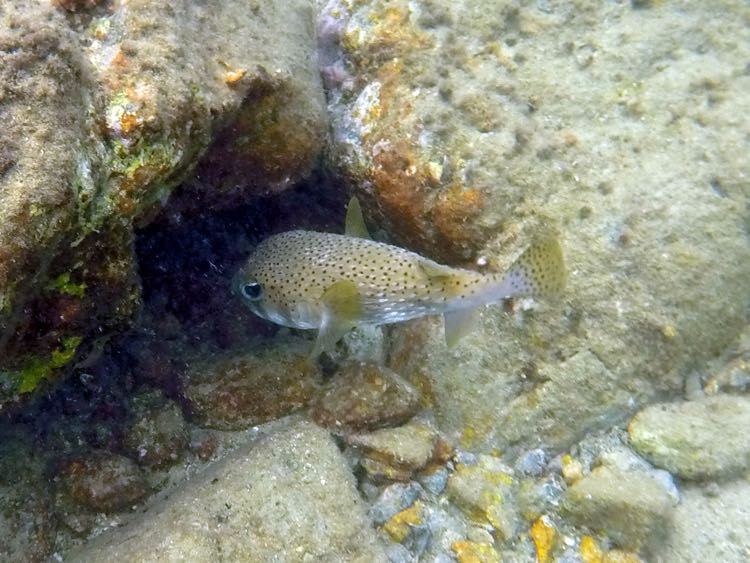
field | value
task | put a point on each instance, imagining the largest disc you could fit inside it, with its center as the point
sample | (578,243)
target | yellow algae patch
(572,469)
(590,551)
(399,524)
(479,493)
(543,535)
(473,552)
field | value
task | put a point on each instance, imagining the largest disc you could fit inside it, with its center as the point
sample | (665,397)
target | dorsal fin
(355,222)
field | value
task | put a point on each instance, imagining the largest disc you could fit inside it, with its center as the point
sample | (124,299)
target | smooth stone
(632,508)
(697,440)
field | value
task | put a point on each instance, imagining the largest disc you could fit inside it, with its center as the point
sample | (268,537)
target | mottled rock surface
(101,481)
(291,497)
(365,396)
(710,525)
(242,389)
(632,508)
(158,433)
(702,439)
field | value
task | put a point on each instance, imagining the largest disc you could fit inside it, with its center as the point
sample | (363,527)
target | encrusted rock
(632,508)
(122,103)
(484,494)
(158,433)
(365,396)
(703,439)
(102,481)
(394,499)
(238,391)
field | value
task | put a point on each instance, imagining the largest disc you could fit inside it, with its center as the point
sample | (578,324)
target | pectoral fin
(355,222)
(458,324)
(342,308)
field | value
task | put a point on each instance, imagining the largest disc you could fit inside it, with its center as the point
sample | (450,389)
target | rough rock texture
(289,498)
(102,113)
(241,390)
(101,481)
(364,396)
(632,508)
(703,439)
(468,132)
(710,525)
(158,434)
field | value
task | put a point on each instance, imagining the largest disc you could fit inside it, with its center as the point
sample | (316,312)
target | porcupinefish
(333,283)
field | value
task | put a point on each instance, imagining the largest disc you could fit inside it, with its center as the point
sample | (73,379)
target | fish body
(331,282)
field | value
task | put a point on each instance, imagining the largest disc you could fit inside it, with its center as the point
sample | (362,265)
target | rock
(396,453)
(364,396)
(706,439)
(710,527)
(392,500)
(159,433)
(537,497)
(532,463)
(434,481)
(485,496)
(123,103)
(440,127)
(632,508)
(289,497)
(234,391)
(101,481)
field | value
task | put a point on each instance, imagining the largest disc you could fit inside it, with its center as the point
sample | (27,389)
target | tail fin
(539,272)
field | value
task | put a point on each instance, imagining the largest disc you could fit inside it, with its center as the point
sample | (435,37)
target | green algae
(63,284)
(38,370)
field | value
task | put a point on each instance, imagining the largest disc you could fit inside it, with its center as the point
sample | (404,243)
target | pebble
(632,508)
(237,392)
(365,396)
(532,463)
(393,499)
(158,434)
(396,453)
(697,440)
(102,481)
(435,481)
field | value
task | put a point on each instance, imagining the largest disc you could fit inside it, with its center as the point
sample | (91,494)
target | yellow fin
(342,300)
(458,324)
(355,222)
(342,309)
(539,271)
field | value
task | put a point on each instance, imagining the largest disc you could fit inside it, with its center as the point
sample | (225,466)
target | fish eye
(252,291)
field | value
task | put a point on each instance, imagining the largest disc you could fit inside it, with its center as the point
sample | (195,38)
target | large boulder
(469,132)
(103,111)
(290,497)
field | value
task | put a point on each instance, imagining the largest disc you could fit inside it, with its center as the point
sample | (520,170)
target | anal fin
(458,324)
